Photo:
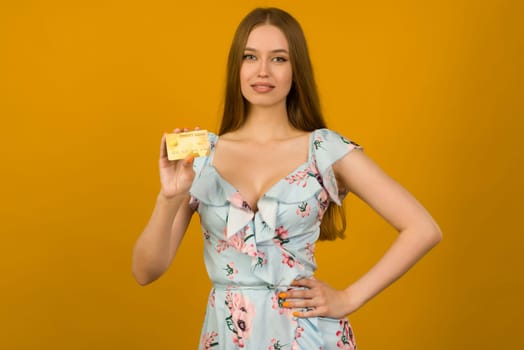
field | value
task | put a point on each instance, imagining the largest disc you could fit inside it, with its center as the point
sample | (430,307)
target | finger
(177,130)
(188,161)
(300,304)
(197,127)
(300,294)
(305,282)
(310,313)
(163,147)
(302,281)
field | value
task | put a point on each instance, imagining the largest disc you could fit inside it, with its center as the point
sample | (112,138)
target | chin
(264,102)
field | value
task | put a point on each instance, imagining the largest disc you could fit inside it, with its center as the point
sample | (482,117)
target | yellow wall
(432,89)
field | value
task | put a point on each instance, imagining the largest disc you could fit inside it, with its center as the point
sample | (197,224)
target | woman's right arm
(157,245)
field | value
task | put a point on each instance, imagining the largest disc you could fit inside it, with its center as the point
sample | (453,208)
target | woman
(270,187)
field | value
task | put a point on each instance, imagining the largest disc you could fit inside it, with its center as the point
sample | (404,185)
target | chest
(253,169)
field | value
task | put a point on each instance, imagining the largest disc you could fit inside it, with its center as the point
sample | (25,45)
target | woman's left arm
(357,173)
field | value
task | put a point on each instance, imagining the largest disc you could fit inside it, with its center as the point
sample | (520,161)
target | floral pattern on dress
(193,203)
(208,340)
(281,236)
(303,209)
(310,251)
(323,203)
(317,143)
(288,259)
(261,259)
(237,200)
(207,236)
(238,242)
(298,332)
(301,177)
(345,336)
(349,142)
(231,271)
(240,320)
(275,345)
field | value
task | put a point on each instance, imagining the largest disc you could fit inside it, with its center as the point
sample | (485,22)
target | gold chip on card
(181,145)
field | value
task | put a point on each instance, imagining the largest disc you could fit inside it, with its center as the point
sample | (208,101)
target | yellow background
(432,89)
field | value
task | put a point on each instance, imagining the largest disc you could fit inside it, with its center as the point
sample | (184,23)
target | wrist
(163,197)
(354,301)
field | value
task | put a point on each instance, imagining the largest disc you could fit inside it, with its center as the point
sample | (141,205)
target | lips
(262,87)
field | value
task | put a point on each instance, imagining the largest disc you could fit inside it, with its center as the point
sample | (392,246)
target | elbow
(437,237)
(142,276)
(427,234)
(145,269)
(141,280)
(434,235)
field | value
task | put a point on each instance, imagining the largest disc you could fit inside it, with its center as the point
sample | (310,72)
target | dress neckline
(234,189)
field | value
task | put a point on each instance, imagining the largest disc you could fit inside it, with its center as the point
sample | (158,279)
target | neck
(266,123)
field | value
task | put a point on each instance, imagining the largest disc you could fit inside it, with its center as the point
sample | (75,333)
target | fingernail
(282,295)
(285,304)
(295,313)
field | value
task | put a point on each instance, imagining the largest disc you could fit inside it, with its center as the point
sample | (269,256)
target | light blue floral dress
(253,256)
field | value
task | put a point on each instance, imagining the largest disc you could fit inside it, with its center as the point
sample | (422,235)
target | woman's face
(266,72)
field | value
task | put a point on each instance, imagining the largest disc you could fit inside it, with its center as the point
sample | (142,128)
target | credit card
(181,145)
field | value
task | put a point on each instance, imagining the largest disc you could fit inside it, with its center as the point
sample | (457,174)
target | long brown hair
(302,102)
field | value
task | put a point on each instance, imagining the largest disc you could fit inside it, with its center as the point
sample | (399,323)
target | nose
(263,69)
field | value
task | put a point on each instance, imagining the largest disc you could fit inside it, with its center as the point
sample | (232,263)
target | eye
(280,59)
(249,57)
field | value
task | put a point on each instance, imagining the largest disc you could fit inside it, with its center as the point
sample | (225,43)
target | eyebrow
(272,51)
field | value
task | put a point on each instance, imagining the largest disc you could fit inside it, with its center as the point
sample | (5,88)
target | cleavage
(252,191)
(252,170)
(252,177)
